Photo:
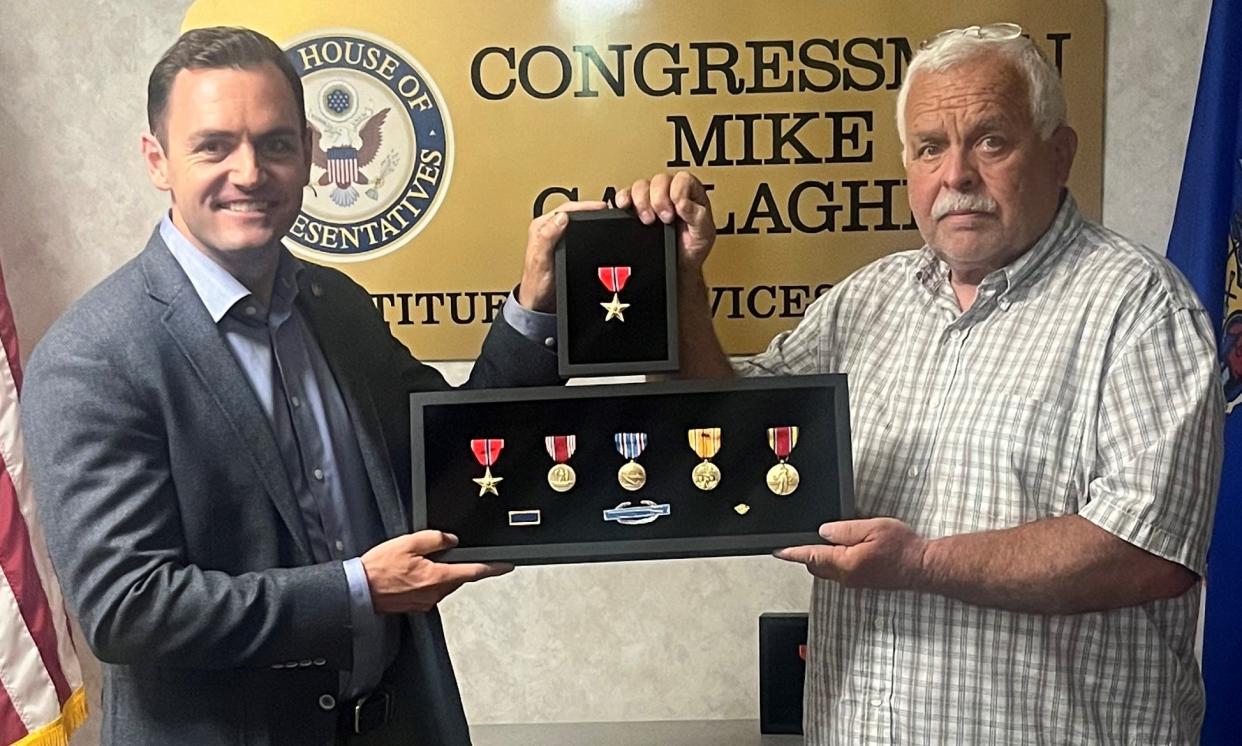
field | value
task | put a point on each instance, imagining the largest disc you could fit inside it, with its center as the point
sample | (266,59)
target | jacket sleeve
(507,358)
(98,455)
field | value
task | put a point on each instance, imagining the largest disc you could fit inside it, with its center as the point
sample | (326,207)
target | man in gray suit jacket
(219,439)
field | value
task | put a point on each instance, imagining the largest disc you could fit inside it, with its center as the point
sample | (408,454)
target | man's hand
(402,579)
(668,197)
(869,553)
(538,289)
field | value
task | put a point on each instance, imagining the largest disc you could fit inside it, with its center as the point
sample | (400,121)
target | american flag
(41,696)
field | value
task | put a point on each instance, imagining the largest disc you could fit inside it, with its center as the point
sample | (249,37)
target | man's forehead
(200,92)
(979,87)
(217,83)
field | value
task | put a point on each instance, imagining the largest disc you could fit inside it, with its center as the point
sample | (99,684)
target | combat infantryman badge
(486,451)
(561,448)
(782,478)
(629,514)
(614,279)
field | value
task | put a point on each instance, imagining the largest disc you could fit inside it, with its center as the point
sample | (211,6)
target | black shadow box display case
(632,471)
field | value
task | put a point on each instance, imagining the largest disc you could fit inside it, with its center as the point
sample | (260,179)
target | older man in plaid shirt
(1037,428)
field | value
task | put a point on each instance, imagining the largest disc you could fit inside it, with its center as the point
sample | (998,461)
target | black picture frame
(444,468)
(647,341)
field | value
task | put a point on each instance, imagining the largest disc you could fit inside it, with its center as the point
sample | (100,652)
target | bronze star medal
(614,279)
(486,451)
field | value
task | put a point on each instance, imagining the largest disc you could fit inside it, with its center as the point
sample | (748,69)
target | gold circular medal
(632,476)
(705,476)
(561,477)
(783,479)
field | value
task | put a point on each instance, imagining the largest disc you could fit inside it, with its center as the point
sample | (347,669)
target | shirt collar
(929,270)
(221,291)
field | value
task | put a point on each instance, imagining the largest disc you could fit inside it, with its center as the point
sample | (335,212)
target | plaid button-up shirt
(1083,380)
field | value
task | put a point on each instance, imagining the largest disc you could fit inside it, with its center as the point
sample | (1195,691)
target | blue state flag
(1206,244)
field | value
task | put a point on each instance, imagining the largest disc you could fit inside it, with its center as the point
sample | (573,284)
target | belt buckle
(372,711)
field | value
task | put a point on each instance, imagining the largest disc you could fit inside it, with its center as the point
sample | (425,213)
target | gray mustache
(949,202)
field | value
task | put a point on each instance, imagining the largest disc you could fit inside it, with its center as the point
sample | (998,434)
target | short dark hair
(215,47)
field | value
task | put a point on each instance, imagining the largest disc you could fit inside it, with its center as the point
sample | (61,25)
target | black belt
(365,714)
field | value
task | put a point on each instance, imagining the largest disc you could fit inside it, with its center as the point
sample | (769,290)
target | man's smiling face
(234,157)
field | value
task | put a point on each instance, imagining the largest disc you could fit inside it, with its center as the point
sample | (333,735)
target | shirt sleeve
(1160,440)
(367,626)
(535,326)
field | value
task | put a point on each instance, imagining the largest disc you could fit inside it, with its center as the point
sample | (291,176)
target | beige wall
(667,640)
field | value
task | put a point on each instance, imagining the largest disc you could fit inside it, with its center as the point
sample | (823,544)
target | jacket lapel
(334,340)
(198,339)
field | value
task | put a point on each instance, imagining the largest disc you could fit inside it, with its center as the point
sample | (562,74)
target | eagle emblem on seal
(343,160)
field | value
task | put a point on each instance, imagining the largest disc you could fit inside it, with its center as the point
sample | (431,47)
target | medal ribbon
(487,450)
(705,441)
(561,447)
(630,445)
(782,440)
(614,278)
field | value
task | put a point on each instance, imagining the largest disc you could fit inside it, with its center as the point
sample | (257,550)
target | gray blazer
(176,535)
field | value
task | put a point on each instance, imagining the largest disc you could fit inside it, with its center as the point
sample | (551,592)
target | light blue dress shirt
(295,387)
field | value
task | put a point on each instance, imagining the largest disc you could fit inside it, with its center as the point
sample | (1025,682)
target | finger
(496,569)
(641,194)
(429,541)
(661,202)
(467,572)
(623,199)
(689,197)
(822,562)
(546,230)
(847,533)
(579,206)
(803,554)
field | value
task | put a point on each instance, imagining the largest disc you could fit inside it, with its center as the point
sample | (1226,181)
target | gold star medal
(782,478)
(561,476)
(486,451)
(614,279)
(705,442)
(632,475)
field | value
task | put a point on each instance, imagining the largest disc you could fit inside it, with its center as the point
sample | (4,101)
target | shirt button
(879,623)
(955,334)
(327,702)
(250,310)
(877,701)
(549,342)
(913,471)
(317,474)
(340,545)
(296,402)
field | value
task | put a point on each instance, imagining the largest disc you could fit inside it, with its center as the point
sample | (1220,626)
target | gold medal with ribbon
(782,478)
(561,476)
(705,442)
(631,475)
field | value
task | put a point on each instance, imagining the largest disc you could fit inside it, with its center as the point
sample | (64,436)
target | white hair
(1045,93)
